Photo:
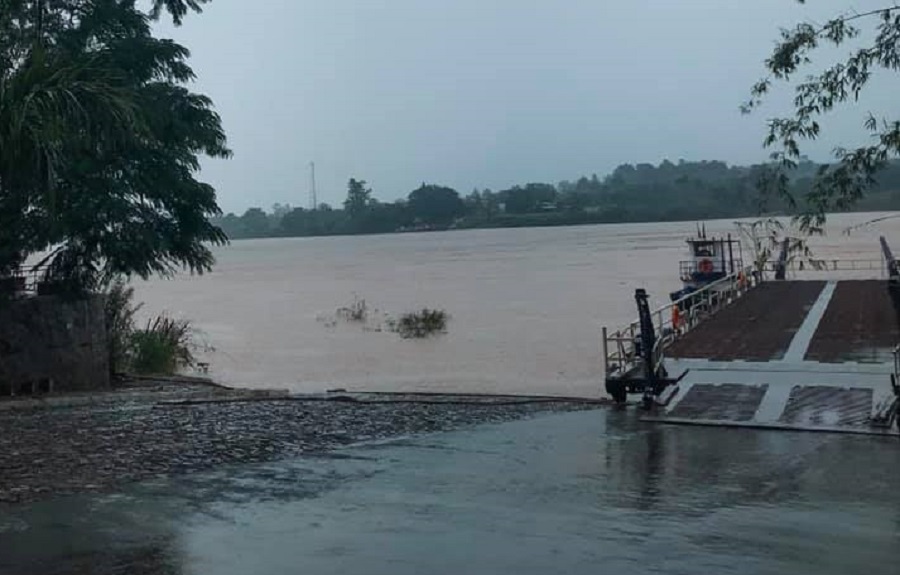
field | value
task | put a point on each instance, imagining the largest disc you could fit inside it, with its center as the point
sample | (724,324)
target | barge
(746,347)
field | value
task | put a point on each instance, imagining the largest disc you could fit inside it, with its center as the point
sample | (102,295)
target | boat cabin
(710,259)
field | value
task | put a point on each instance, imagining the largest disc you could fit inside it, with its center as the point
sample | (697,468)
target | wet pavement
(584,492)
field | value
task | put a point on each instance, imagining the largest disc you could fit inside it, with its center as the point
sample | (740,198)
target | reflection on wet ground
(582,492)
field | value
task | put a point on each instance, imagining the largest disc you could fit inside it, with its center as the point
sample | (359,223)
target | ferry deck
(815,355)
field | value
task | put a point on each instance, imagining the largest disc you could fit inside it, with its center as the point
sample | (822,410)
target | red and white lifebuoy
(705,267)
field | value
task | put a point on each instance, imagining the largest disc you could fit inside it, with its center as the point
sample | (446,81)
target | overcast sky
(484,93)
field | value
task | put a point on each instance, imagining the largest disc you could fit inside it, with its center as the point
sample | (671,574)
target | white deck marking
(797,350)
(773,403)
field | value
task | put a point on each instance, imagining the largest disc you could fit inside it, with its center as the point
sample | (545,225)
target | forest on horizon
(631,193)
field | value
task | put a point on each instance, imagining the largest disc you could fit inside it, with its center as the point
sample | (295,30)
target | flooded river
(527,305)
(587,492)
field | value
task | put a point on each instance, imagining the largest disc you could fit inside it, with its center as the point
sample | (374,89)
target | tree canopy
(431,204)
(875,36)
(100,142)
(630,193)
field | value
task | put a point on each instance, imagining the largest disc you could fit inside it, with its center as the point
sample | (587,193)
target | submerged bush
(422,323)
(357,311)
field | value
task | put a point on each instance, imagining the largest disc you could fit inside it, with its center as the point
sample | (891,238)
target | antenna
(314,201)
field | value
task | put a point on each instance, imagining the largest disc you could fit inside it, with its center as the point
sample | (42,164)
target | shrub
(421,324)
(164,346)
(119,311)
(152,353)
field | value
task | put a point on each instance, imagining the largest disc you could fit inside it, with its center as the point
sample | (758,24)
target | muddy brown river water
(527,305)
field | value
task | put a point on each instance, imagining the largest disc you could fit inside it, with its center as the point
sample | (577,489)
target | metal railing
(25,280)
(620,346)
(834,265)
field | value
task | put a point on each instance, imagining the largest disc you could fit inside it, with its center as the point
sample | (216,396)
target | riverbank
(152,429)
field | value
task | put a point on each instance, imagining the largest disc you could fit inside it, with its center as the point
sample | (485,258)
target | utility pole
(314,201)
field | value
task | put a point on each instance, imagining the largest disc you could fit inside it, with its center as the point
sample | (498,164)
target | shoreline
(97,442)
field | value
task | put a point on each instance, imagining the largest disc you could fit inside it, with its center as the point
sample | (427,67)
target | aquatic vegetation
(415,324)
(420,324)
(357,312)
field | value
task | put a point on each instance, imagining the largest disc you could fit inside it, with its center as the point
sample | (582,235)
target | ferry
(743,346)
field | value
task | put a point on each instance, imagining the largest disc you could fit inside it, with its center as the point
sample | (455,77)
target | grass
(163,347)
(119,309)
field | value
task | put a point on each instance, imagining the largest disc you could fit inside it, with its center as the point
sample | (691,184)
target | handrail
(619,351)
(829,265)
(29,276)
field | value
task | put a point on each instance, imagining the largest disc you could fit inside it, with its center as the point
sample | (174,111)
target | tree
(255,223)
(100,142)
(358,198)
(840,185)
(528,199)
(432,204)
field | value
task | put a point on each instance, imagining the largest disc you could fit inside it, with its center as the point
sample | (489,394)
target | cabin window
(705,250)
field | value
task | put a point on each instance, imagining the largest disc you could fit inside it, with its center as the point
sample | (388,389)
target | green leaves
(177,8)
(840,186)
(100,143)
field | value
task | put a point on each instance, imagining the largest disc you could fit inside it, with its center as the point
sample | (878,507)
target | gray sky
(484,93)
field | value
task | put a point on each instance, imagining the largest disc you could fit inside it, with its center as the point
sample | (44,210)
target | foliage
(840,185)
(357,311)
(431,204)
(120,310)
(765,239)
(358,196)
(686,191)
(163,346)
(421,324)
(100,142)
(528,199)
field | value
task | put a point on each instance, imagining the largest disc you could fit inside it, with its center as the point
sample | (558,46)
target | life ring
(705,267)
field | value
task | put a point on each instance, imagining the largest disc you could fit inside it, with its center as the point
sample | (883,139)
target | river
(527,305)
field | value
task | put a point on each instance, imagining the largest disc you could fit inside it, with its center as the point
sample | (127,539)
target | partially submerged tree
(838,186)
(100,142)
(766,238)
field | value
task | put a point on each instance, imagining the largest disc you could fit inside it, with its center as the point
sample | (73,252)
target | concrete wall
(47,338)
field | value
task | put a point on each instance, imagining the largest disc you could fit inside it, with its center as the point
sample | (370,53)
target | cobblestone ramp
(728,401)
(757,327)
(828,406)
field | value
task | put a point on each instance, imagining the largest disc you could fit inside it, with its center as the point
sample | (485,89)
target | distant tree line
(631,193)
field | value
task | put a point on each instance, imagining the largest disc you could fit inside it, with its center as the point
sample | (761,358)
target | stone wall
(47,339)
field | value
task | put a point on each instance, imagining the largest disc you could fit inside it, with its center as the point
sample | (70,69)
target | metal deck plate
(727,401)
(829,406)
